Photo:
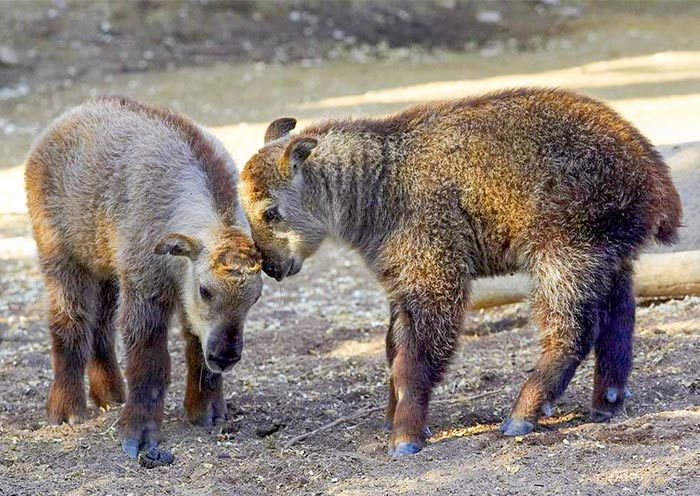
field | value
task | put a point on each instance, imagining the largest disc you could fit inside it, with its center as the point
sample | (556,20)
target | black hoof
(516,427)
(404,449)
(130,447)
(600,416)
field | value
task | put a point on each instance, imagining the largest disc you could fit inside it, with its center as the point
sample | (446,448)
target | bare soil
(314,353)
(314,344)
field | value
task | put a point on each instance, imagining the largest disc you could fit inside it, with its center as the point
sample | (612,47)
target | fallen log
(657,275)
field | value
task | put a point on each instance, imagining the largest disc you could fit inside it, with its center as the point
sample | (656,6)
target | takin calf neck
(136,218)
(543,181)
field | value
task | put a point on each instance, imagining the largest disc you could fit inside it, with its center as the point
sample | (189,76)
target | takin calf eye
(272,214)
(204,293)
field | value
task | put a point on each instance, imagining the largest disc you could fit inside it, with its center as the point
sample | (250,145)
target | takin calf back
(136,218)
(543,181)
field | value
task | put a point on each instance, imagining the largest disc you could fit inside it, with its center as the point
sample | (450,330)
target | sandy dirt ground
(314,344)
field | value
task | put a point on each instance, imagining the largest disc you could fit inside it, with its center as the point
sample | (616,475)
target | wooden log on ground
(657,275)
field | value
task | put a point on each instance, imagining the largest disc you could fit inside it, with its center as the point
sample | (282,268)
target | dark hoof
(403,449)
(515,427)
(130,447)
(613,394)
(156,457)
(74,416)
(209,420)
(611,403)
(601,416)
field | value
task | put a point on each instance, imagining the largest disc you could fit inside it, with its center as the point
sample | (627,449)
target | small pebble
(267,430)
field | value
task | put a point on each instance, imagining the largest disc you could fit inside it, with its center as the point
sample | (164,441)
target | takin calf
(543,181)
(136,218)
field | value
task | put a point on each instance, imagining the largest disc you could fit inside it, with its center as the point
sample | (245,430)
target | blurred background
(316,345)
(235,65)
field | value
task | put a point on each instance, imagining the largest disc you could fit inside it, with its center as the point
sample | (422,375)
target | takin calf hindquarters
(544,181)
(136,218)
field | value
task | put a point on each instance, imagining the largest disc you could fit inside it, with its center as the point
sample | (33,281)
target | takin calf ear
(179,245)
(295,155)
(279,128)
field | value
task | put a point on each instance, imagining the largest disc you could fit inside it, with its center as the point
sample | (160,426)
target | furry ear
(296,153)
(179,245)
(279,128)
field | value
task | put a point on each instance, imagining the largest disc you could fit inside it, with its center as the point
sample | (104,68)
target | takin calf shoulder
(543,181)
(136,218)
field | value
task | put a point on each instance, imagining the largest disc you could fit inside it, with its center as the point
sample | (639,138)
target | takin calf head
(222,282)
(278,201)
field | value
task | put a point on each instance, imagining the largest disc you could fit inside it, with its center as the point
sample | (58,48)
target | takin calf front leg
(204,398)
(419,346)
(144,325)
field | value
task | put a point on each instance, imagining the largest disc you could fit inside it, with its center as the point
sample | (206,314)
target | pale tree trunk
(657,275)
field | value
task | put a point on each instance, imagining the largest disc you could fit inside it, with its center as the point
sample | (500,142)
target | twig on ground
(110,427)
(125,468)
(360,413)
(373,408)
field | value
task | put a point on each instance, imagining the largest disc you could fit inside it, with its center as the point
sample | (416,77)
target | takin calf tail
(543,181)
(136,218)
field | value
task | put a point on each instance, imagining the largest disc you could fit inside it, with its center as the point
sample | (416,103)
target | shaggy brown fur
(538,180)
(136,218)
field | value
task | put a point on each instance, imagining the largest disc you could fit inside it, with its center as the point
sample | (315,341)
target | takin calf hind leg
(106,383)
(570,328)
(613,349)
(71,307)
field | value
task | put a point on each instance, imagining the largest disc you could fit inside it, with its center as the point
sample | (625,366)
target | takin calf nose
(223,355)
(278,271)
(269,268)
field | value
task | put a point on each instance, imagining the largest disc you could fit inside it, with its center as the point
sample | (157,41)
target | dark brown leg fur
(426,312)
(71,292)
(106,383)
(204,399)
(614,347)
(144,325)
(390,354)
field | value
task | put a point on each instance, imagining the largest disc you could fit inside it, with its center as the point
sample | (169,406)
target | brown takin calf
(136,218)
(543,181)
